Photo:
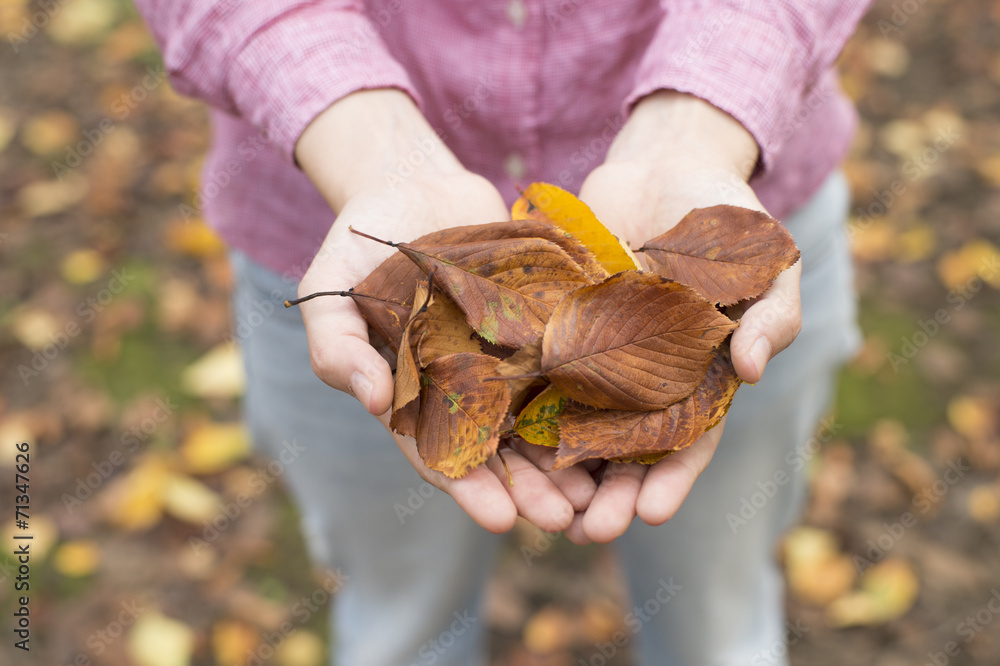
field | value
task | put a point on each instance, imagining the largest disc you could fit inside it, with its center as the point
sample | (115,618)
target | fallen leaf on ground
(888,590)
(158,640)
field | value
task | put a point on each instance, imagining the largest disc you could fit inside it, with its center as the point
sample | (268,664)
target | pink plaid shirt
(521,90)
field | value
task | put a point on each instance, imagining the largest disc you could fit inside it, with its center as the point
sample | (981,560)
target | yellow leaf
(189,500)
(49,132)
(76,559)
(13,14)
(976,260)
(888,57)
(82,21)
(231,641)
(989,168)
(971,417)
(213,447)
(15,429)
(548,631)
(157,640)
(874,241)
(126,42)
(303,648)
(49,197)
(549,203)
(217,374)
(888,591)
(194,238)
(903,137)
(984,504)
(817,571)
(43,531)
(34,328)
(135,501)
(82,266)
(537,421)
(916,243)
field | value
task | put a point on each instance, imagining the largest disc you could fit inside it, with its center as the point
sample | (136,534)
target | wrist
(672,129)
(367,140)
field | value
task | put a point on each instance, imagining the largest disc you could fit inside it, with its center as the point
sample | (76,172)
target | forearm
(367,140)
(670,129)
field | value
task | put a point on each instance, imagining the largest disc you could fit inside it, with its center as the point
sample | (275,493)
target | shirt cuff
(292,69)
(741,64)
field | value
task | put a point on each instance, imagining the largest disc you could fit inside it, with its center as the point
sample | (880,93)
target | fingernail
(361,387)
(760,353)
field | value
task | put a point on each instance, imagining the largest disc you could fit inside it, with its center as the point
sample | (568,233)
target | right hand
(377,129)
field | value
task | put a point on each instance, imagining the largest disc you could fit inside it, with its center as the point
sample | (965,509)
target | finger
(536,497)
(575,531)
(480,493)
(613,507)
(575,482)
(669,481)
(483,496)
(341,355)
(768,325)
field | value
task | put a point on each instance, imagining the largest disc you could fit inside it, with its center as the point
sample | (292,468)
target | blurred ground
(159,542)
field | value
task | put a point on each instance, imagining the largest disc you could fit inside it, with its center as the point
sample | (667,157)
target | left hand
(676,153)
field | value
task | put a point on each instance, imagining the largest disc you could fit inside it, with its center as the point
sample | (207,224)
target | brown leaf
(441,330)
(725,253)
(636,341)
(404,420)
(461,414)
(525,368)
(585,432)
(506,287)
(389,287)
(407,386)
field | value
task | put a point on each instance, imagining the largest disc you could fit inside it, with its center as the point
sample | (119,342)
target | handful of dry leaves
(546,328)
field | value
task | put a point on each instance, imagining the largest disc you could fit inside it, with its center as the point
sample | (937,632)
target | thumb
(341,354)
(768,326)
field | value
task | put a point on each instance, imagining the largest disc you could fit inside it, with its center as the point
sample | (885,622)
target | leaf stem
(377,240)
(349,292)
(317,294)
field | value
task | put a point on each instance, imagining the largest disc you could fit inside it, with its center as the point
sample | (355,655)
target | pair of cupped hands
(674,153)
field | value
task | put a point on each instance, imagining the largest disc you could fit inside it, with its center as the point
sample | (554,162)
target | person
(401,118)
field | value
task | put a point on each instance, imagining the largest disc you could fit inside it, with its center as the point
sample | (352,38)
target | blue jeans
(705,588)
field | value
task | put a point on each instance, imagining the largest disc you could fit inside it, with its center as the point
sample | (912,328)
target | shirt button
(517,13)
(514,166)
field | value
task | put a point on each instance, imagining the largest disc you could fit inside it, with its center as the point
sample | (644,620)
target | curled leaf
(633,342)
(507,287)
(440,329)
(460,413)
(585,432)
(725,253)
(552,204)
(406,390)
(523,369)
(385,298)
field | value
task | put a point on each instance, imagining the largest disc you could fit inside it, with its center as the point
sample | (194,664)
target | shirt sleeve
(274,63)
(754,60)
